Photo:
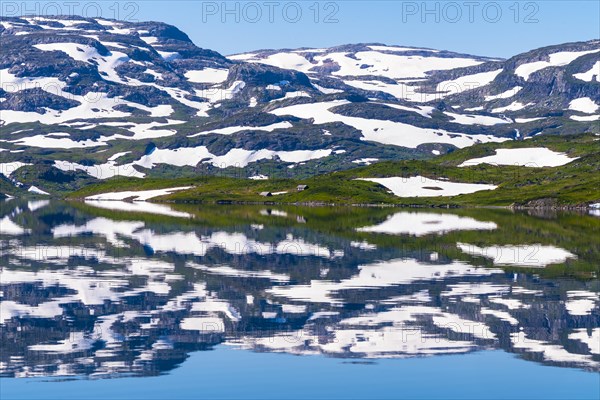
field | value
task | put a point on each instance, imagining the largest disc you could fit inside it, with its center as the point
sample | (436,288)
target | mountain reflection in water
(106,289)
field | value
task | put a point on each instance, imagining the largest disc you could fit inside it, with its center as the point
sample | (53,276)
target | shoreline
(575,207)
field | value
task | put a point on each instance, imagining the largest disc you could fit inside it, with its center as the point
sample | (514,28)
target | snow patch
(466,119)
(554,60)
(586,118)
(7,169)
(525,157)
(207,75)
(419,186)
(366,161)
(584,105)
(235,129)
(238,158)
(101,171)
(141,195)
(514,106)
(504,95)
(37,190)
(467,82)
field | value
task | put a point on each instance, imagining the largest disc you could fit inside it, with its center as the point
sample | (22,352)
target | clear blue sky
(492,28)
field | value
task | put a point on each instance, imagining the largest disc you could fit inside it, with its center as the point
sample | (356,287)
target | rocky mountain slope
(83,100)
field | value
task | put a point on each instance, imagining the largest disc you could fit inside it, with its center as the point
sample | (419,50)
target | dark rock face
(35,100)
(263,75)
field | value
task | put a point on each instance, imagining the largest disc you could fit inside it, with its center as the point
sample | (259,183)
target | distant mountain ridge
(85,99)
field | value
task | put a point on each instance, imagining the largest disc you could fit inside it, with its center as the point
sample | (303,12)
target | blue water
(226,373)
(161,303)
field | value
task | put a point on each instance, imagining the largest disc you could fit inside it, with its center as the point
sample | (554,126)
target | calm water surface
(131,300)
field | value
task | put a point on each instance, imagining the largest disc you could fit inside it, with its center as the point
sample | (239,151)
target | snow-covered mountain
(396,71)
(564,73)
(84,99)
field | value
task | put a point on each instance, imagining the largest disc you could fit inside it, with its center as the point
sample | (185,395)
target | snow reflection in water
(100,296)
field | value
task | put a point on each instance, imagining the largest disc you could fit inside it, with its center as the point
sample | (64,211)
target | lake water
(106,300)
